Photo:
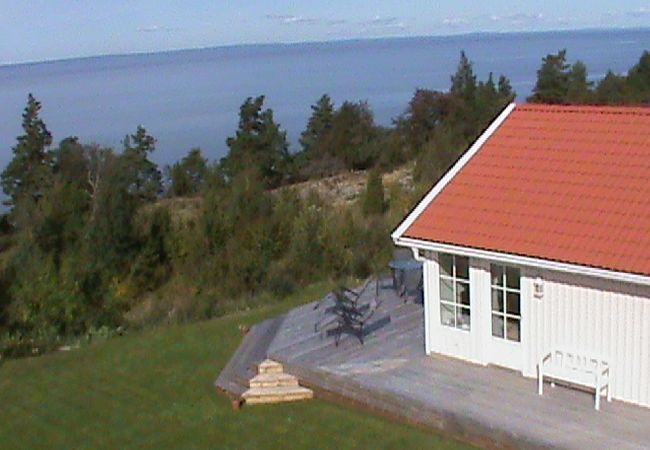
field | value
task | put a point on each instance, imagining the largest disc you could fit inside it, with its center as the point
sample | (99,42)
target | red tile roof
(561,183)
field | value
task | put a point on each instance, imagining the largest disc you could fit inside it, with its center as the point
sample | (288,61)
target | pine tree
(463,82)
(506,93)
(260,143)
(427,112)
(319,123)
(613,89)
(352,136)
(188,175)
(145,177)
(552,80)
(638,79)
(487,103)
(30,171)
(578,89)
(374,202)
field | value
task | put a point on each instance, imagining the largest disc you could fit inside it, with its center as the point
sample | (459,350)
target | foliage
(463,82)
(346,138)
(374,201)
(318,125)
(142,175)
(30,170)
(638,78)
(188,176)
(437,157)
(153,263)
(578,88)
(259,143)
(552,79)
(90,247)
(612,90)
(557,82)
(437,125)
(427,112)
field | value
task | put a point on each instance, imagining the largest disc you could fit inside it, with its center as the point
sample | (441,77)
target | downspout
(416,255)
(425,302)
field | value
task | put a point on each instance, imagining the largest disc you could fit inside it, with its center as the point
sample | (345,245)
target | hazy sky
(33,30)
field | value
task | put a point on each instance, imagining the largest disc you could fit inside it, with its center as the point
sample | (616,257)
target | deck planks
(487,406)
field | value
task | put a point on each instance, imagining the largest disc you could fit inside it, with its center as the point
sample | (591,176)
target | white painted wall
(598,316)
(592,315)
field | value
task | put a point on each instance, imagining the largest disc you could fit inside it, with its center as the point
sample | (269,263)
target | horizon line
(312,42)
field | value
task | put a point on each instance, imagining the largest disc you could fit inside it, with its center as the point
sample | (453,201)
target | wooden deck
(487,406)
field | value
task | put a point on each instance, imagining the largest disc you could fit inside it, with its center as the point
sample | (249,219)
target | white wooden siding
(608,318)
(597,316)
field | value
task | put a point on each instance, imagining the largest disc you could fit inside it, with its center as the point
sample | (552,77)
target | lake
(191,98)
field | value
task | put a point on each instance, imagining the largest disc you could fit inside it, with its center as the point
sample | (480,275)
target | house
(538,239)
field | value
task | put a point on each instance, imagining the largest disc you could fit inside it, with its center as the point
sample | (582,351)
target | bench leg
(609,391)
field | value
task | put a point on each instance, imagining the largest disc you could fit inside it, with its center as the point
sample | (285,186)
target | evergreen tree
(463,82)
(612,90)
(71,163)
(151,266)
(260,143)
(427,111)
(552,80)
(319,123)
(30,170)
(487,104)
(110,229)
(638,79)
(188,176)
(145,177)
(578,89)
(438,155)
(506,93)
(374,202)
(352,136)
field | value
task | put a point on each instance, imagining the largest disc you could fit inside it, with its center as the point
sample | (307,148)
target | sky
(36,30)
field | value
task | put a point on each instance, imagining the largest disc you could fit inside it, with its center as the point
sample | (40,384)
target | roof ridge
(584,109)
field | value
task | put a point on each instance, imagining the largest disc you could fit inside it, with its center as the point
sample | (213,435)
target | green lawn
(154,389)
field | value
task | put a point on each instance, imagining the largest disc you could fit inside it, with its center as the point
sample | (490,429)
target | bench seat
(576,368)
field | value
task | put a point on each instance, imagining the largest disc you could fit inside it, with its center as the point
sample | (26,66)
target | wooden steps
(280,394)
(234,378)
(272,385)
(268,366)
(264,380)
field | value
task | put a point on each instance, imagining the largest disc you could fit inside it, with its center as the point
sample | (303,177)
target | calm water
(191,98)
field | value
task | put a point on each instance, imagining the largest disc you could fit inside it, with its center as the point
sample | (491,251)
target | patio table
(399,267)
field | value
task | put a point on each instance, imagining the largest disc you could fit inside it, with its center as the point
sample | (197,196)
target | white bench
(576,368)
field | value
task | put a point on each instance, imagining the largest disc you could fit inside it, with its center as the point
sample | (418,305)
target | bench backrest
(573,366)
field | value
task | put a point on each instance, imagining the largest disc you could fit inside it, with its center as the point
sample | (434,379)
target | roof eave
(519,260)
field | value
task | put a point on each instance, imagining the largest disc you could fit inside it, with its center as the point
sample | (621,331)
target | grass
(153,389)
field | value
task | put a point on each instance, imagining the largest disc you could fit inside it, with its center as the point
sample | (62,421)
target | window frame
(455,304)
(505,290)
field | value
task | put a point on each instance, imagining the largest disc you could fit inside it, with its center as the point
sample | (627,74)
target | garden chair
(411,287)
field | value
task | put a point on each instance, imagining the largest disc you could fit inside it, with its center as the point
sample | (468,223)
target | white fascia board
(507,258)
(446,179)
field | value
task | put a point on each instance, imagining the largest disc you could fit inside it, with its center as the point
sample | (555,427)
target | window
(506,302)
(454,291)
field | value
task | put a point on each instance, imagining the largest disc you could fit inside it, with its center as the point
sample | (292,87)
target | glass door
(505,294)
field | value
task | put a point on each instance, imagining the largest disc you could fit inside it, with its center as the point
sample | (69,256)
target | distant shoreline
(321,42)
